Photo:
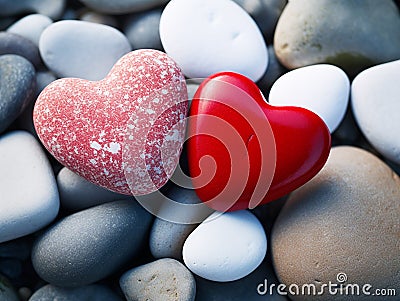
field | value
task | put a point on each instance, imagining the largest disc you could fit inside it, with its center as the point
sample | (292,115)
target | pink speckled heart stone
(125,132)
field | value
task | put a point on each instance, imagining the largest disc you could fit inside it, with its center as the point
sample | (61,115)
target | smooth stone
(265,12)
(122,6)
(93,292)
(82,49)
(76,193)
(31,27)
(242,289)
(29,197)
(89,245)
(345,220)
(17,87)
(142,30)
(221,37)
(308,33)
(7,292)
(323,89)
(375,103)
(95,17)
(164,279)
(226,247)
(11,43)
(50,8)
(167,238)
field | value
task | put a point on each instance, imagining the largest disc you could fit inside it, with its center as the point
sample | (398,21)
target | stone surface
(309,33)
(31,27)
(76,193)
(11,43)
(226,247)
(95,17)
(50,8)
(29,197)
(122,6)
(105,131)
(375,103)
(17,87)
(345,220)
(84,293)
(82,49)
(7,292)
(142,30)
(164,279)
(323,89)
(221,37)
(89,245)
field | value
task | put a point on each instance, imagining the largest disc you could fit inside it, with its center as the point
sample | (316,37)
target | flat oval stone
(31,27)
(221,37)
(50,8)
(322,89)
(226,247)
(29,196)
(164,279)
(375,104)
(345,220)
(11,43)
(17,87)
(82,49)
(91,244)
(84,293)
(122,6)
(308,33)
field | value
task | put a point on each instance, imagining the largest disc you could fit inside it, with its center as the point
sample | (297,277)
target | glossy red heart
(244,152)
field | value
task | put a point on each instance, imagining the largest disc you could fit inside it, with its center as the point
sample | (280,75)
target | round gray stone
(90,245)
(31,27)
(345,220)
(50,8)
(165,279)
(122,6)
(17,87)
(357,35)
(93,292)
(142,30)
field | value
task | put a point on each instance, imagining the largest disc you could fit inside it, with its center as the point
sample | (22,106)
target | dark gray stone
(50,8)
(11,43)
(165,279)
(11,268)
(17,87)
(7,291)
(142,30)
(122,6)
(94,292)
(90,245)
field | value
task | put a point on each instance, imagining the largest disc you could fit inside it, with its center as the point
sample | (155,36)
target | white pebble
(31,27)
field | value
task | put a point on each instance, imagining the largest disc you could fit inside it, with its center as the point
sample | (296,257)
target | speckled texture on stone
(142,30)
(17,87)
(31,27)
(165,279)
(11,43)
(50,8)
(354,37)
(94,292)
(89,245)
(122,6)
(345,220)
(102,130)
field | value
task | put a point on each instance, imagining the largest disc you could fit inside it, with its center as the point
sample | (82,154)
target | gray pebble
(50,8)
(142,30)
(95,17)
(76,193)
(11,43)
(165,279)
(90,245)
(95,292)
(122,6)
(17,87)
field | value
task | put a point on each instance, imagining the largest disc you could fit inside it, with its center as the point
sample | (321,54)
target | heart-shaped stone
(259,152)
(124,132)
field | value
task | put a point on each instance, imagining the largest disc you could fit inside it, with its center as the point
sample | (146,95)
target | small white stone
(31,27)
(207,36)
(226,247)
(29,196)
(375,100)
(323,89)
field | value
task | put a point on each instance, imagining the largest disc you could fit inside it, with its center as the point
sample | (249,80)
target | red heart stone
(114,132)
(244,152)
